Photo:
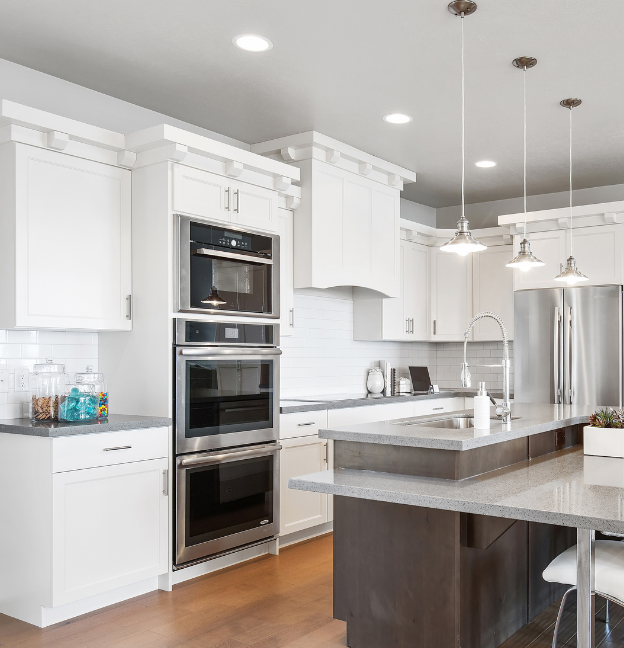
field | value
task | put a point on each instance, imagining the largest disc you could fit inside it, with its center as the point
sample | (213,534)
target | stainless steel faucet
(504,409)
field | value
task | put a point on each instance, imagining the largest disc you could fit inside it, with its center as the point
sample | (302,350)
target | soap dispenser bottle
(482,408)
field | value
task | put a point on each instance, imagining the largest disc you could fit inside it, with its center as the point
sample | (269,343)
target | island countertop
(563,488)
(532,419)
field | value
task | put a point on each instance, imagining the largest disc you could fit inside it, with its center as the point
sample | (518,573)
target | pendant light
(571,275)
(214,299)
(463,242)
(525,259)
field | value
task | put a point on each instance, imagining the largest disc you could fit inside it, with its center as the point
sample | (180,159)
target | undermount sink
(460,422)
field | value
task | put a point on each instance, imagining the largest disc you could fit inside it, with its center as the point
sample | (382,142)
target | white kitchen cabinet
(109,528)
(346,231)
(492,290)
(65,249)
(219,198)
(406,317)
(451,295)
(300,424)
(285,231)
(299,509)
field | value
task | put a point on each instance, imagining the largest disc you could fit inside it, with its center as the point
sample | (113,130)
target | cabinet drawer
(300,424)
(370,413)
(438,406)
(108,448)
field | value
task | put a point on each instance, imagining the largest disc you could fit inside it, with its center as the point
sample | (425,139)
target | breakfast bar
(442,534)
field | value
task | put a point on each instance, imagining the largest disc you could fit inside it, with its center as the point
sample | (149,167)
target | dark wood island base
(413,577)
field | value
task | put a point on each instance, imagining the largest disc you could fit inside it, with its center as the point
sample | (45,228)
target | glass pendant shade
(213,298)
(571,275)
(463,242)
(525,259)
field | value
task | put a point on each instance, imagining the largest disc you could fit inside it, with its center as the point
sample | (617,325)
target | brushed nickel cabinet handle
(129,312)
(435,409)
(165,474)
(117,448)
(434,327)
(237,196)
(304,424)
(227,199)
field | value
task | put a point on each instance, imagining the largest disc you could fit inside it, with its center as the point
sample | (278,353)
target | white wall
(418,213)
(39,90)
(486,214)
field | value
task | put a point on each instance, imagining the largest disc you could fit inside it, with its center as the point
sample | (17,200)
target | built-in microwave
(227,270)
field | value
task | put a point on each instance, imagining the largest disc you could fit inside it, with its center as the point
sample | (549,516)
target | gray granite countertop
(565,488)
(532,419)
(343,401)
(64,428)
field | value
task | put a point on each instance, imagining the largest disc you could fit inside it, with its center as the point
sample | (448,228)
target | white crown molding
(313,145)
(433,237)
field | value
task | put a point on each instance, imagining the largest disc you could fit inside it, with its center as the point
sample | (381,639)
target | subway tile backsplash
(23,349)
(321,357)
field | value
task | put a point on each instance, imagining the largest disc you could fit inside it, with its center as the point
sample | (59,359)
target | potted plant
(604,436)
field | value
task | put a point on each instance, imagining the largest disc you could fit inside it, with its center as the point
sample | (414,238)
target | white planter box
(603,442)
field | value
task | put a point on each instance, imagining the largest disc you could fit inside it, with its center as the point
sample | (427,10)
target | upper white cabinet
(492,290)
(208,195)
(285,231)
(451,295)
(405,317)
(346,229)
(65,248)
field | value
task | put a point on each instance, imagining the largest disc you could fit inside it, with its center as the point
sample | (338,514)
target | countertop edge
(81,429)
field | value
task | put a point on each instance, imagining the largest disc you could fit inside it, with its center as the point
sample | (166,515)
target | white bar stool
(609,571)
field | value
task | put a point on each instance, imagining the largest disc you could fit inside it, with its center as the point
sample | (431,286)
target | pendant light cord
(571,246)
(463,120)
(525,153)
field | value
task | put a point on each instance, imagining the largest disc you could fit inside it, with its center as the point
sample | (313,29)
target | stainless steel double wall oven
(227,451)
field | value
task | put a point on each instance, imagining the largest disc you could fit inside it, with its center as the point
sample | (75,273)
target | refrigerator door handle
(556,357)
(570,359)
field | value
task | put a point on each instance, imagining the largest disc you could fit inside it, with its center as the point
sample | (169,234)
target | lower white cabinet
(109,528)
(88,514)
(299,509)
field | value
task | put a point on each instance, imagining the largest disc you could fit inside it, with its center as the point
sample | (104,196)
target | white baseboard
(50,616)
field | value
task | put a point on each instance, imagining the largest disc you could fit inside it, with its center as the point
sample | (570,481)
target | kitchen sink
(460,422)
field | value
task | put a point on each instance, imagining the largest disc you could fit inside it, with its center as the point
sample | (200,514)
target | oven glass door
(225,401)
(225,504)
(245,286)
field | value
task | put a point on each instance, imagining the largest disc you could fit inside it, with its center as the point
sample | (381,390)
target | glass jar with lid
(48,384)
(90,377)
(79,402)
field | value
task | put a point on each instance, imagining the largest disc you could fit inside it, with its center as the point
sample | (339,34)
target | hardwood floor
(280,601)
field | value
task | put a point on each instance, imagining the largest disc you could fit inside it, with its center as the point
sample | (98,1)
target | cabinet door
(254,207)
(395,325)
(110,528)
(549,247)
(492,288)
(416,291)
(285,231)
(451,295)
(200,193)
(73,242)
(598,255)
(299,509)
(385,237)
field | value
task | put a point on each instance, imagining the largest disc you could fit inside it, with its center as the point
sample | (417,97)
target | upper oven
(227,384)
(230,271)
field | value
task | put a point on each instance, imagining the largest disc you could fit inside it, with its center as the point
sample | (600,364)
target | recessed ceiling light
(486,164)
(252,43)
(397,118)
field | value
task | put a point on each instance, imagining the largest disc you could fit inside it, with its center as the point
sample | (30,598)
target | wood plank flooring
(280,601)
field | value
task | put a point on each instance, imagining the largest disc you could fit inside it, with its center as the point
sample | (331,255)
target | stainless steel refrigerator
(568,346)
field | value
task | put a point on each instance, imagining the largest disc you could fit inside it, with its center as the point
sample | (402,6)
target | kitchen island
(441,534)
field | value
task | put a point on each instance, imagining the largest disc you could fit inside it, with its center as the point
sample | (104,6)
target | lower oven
(225,499)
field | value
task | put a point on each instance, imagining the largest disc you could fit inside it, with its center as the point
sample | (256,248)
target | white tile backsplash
(322,358)
(20,349)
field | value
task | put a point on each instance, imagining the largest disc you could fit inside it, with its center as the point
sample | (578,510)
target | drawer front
(301,424)
(438,406)
(109,448)
(370,413)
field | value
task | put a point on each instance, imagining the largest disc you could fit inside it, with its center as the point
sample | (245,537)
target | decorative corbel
(233,169)
(57,140)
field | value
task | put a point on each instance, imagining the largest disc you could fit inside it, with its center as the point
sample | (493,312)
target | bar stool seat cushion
(609,568)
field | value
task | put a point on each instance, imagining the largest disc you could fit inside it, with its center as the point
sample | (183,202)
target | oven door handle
(232,255)
(231,456)
(230,351)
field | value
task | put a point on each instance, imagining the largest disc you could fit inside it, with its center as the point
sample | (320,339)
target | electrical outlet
(21,380)
(4,381)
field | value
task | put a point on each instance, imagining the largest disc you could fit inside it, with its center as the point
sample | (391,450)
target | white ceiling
(338,66)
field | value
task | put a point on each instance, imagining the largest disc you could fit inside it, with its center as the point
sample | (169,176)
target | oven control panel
(230,239)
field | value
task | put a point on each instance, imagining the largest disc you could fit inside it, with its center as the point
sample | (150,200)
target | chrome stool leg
(607,612)
(563,602)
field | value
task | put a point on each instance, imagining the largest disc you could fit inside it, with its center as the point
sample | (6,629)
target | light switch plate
(21,380)
(4,381)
